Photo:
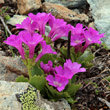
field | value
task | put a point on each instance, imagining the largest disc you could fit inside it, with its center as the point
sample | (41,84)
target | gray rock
(9,100)
(11,67)
(69,3)
(16,19)
(101,14)
(8,90)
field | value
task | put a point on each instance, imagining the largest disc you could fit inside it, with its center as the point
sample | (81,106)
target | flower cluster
(61,75)
(81,37)
(33,34)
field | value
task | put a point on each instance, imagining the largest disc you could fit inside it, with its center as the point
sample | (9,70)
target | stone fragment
(16,19)
(2,2)
(11,67)
(69,3)
(101,14)
(11,91)
(59,11)
(91,24)
(26,6)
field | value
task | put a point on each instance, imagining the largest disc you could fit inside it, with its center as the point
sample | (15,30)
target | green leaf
(48,57)
(36,70)
(54,94)
(70,100)
(87,56)
(64,51)
(38,82)
(73,80)
(86,59)
(73,88)
(21,79)
(7,17)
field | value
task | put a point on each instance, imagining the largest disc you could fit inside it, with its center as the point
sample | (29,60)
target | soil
(95,84)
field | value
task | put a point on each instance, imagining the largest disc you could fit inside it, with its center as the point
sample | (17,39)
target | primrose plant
(50,70)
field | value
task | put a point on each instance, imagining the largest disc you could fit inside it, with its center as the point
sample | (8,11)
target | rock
(14,1)
(2,53)
(101,14)
(14,96)
(26,6)
(69,3)
(11,67)
(8,91)
(2,2)
(48,105)
(13,21)
(91,24)
(47,30)
(59,11)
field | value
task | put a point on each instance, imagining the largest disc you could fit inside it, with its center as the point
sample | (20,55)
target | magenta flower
(66,72)
(16,42)
(78,29)
(58,81)
(46,49)
(92,36)
(77,37)
(55,24)
(40,19)
(31,41)
(62,31)
(70,69)
(27,25)
(74,67)
(77,40)
(47,67)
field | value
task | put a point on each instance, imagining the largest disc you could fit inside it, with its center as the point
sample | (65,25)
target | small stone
(12,21)
(2,53)
(26,6)
(2,2)
(14,1)
(61,12)
(91,24)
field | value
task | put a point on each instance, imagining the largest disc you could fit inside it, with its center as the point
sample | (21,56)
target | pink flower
(92,36)
(66,72)
(78,37)
(46,49)
(62,31)
(47,67)
(74,67)
(27,25)
(16,42)
(78,29)
(58,81)
(31,41)
(77,40)
(55,24)
(70,69)
(40,19)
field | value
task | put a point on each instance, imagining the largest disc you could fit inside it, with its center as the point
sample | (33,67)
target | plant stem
(68,50)
(29,72)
